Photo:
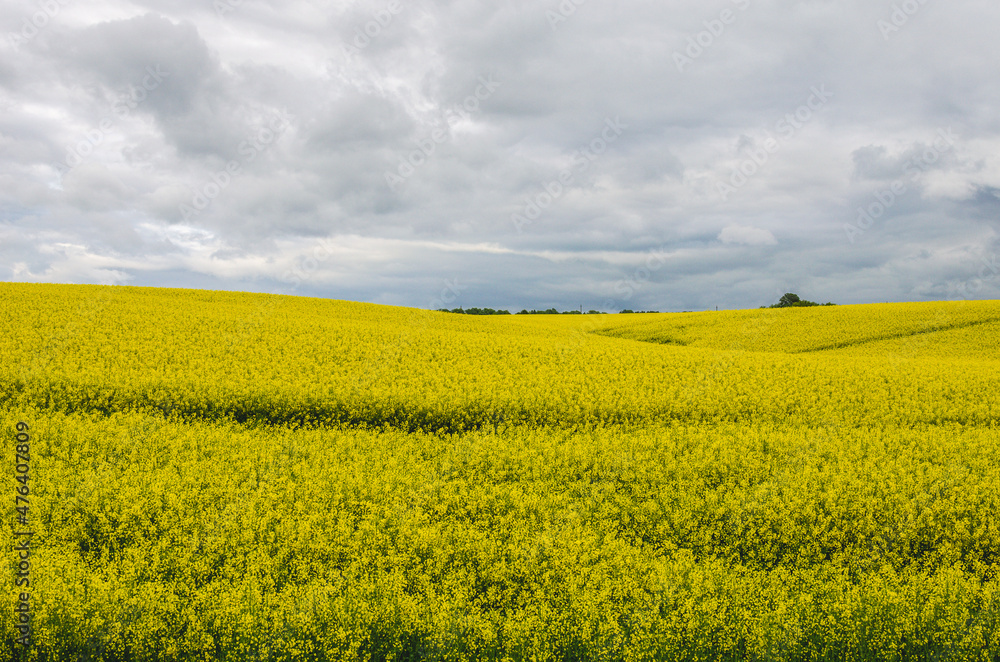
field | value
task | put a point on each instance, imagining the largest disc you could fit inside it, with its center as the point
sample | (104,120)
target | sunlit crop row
(281,359)
(806,329)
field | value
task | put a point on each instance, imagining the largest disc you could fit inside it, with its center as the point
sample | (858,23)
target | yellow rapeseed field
(229,476)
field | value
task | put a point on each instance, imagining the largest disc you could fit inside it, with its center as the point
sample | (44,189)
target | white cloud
(746,236)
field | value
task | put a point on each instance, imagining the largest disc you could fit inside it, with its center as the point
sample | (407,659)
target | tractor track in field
(893,336)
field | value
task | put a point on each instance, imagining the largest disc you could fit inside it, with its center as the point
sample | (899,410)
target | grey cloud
(92,187)
(124,53)
(151,65)
(352,116)
(875,162)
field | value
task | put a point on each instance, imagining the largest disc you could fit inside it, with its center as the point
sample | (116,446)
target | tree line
(549,311)
(792,300)
(788,300)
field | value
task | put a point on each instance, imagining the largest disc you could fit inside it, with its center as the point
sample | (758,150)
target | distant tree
(792,300)
(789,299)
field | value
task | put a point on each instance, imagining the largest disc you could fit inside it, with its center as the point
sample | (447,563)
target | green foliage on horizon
(792,300)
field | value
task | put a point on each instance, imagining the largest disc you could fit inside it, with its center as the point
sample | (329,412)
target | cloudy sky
(599,153)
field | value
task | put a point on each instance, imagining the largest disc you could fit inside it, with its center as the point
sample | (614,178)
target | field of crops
(223,476)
